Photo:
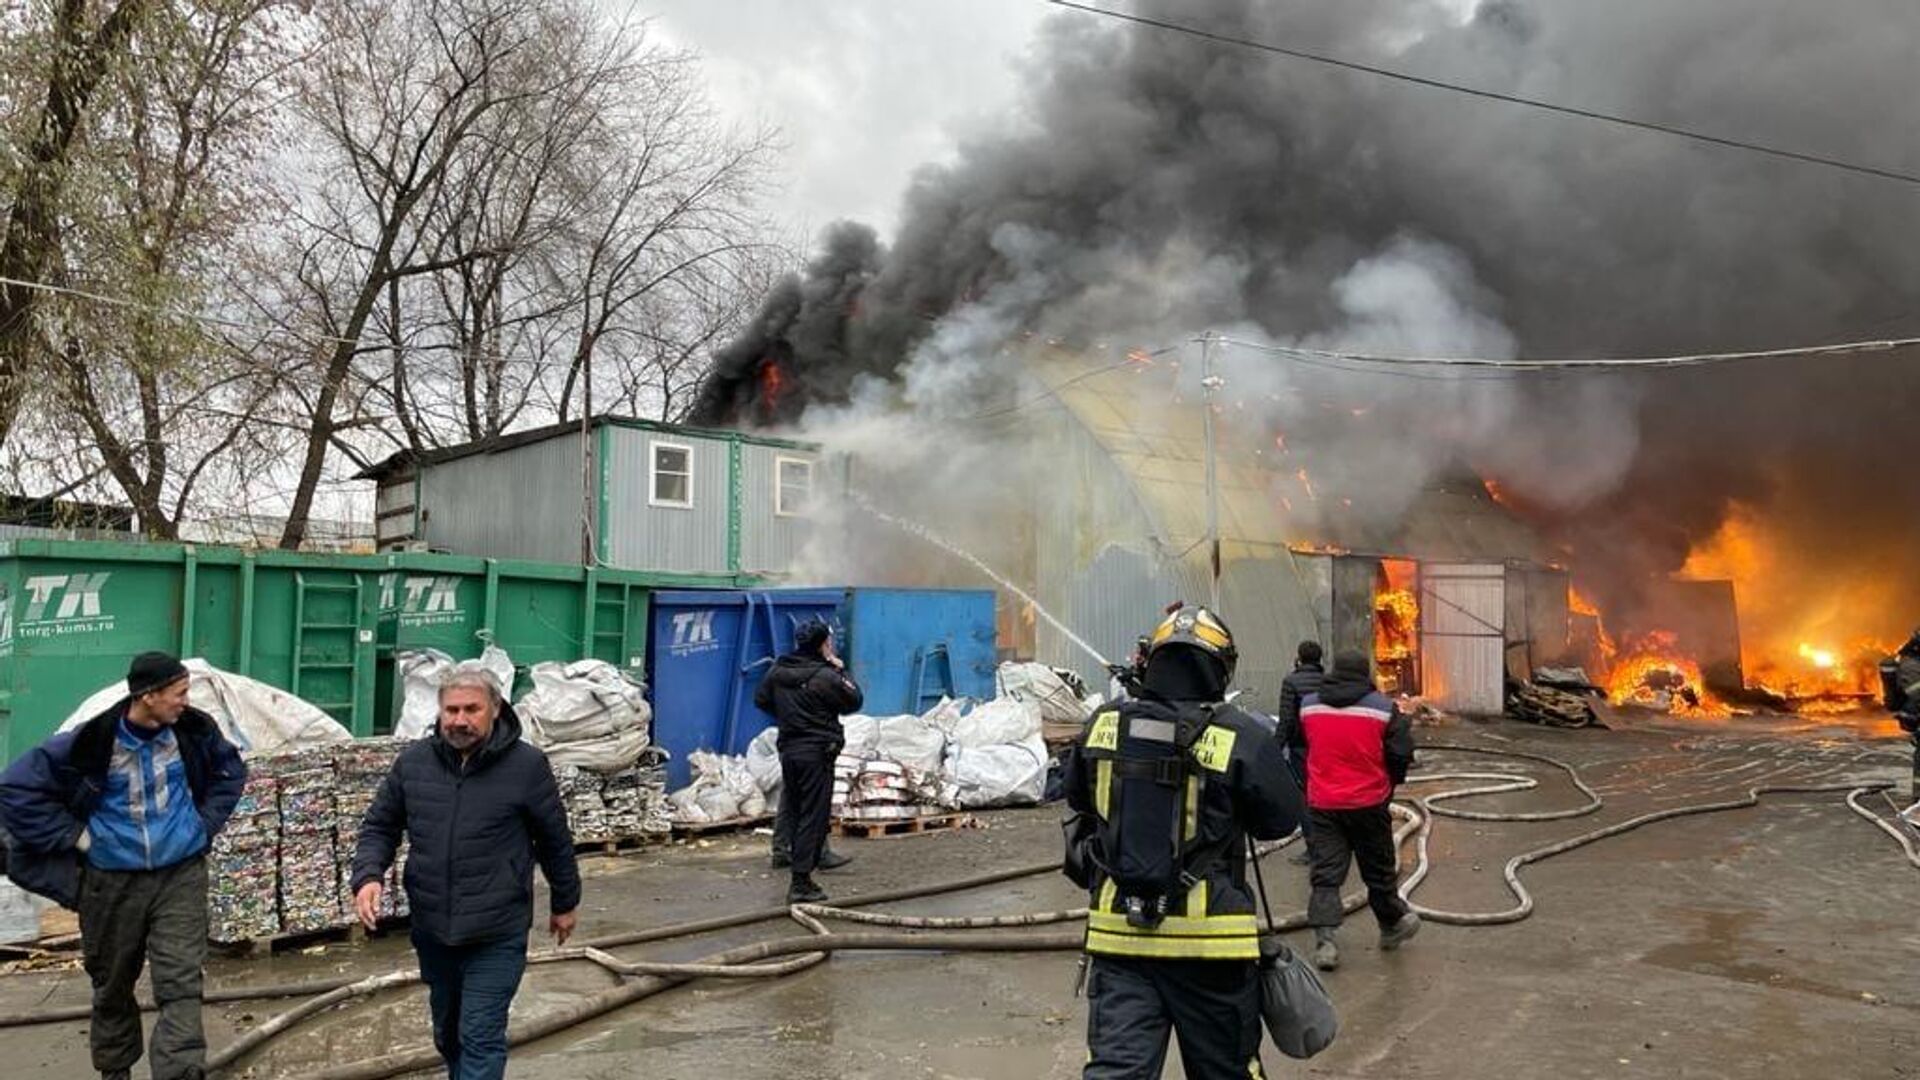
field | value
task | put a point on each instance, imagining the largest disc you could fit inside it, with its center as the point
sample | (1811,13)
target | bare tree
(136,392)
(577,198)
(291,238)
(400,93)
(669,249)
(66,61)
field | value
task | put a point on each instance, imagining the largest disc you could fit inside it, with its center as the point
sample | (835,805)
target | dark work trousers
(1213,1006)
(783,822)
(783,830)
(806,796)
(1364,836)
(157,918)
(1297,764)
(1913,784)
(469,988)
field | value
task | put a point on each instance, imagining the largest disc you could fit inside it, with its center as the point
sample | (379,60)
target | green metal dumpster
(323,627)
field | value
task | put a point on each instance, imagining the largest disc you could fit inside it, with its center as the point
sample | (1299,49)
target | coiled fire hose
(963,934)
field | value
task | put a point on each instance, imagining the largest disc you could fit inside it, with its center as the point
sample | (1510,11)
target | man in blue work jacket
(114,819)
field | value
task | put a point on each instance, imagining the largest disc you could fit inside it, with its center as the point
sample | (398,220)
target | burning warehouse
(1101,501)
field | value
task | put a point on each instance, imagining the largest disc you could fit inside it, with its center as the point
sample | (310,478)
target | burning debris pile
(1772,645)
(1653,674)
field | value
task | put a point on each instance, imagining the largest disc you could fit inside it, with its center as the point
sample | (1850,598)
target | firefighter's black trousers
(1213,1006)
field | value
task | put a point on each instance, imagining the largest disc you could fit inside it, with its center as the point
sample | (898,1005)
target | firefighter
(1166,788)
(1903,697)
(1124,680)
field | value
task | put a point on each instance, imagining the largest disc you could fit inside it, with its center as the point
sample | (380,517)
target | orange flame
(1579,604)
(1801,634)
(1655,674)
(772,382)
(1396,611)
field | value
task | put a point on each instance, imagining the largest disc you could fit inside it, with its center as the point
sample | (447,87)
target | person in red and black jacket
(1358,749)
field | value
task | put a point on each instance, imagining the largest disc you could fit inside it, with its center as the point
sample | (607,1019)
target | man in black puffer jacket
(1300,684)
(479,807)
(807,692)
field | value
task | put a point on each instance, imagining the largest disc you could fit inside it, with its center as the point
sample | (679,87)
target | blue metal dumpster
(908,648)
(708,650)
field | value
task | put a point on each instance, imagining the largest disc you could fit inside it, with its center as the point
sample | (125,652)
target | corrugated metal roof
(401,462)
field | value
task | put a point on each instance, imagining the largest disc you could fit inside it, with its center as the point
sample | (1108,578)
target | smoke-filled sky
(1143,186)
(863,91)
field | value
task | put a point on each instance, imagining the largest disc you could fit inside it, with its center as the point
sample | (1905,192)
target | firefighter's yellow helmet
(1197,628)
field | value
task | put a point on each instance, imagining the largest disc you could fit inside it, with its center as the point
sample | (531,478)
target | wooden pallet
(709,828)
(620,845)
(352,934)
(873,830)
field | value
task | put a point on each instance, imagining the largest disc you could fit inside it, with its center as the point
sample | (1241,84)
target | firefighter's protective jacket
(1236,783)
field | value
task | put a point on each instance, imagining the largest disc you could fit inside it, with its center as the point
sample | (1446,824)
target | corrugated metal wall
(525,503)
(1095,565)
(1103,571)
(1273,601)
(1548,637)
(669,539)
(769,541)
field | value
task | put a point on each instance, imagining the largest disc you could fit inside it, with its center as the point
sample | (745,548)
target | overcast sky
(864,90)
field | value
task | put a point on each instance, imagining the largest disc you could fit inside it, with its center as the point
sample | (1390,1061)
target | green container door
(323,627)
(76,612)
(304,625)
(70,627)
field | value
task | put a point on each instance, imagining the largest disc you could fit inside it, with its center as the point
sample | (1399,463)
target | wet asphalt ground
(1780,941)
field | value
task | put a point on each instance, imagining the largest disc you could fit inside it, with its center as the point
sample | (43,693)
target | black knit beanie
(152,670)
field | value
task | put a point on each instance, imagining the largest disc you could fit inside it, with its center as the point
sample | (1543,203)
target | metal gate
(1352,628)
(1463,636)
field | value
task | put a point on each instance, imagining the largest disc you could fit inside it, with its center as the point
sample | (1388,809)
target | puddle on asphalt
(1717,946)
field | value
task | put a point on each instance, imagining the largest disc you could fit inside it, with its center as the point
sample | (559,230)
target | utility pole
(590,508)
(1210,383)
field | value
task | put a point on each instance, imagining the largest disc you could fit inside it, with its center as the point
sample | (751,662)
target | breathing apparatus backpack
(1891,691)
(1146,844)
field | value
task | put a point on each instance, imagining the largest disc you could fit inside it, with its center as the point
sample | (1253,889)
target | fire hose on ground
(784,956)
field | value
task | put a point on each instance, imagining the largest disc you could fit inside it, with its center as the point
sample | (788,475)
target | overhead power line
(1491,95)
(1575,364)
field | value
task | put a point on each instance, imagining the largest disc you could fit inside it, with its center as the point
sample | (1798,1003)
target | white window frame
(780,462)
(653,474)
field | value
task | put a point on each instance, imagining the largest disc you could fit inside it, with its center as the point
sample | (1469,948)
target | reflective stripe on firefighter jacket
(1236,783)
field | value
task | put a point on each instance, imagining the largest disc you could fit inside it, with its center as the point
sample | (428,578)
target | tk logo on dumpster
(58,605)
(692,633)
(421,600)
